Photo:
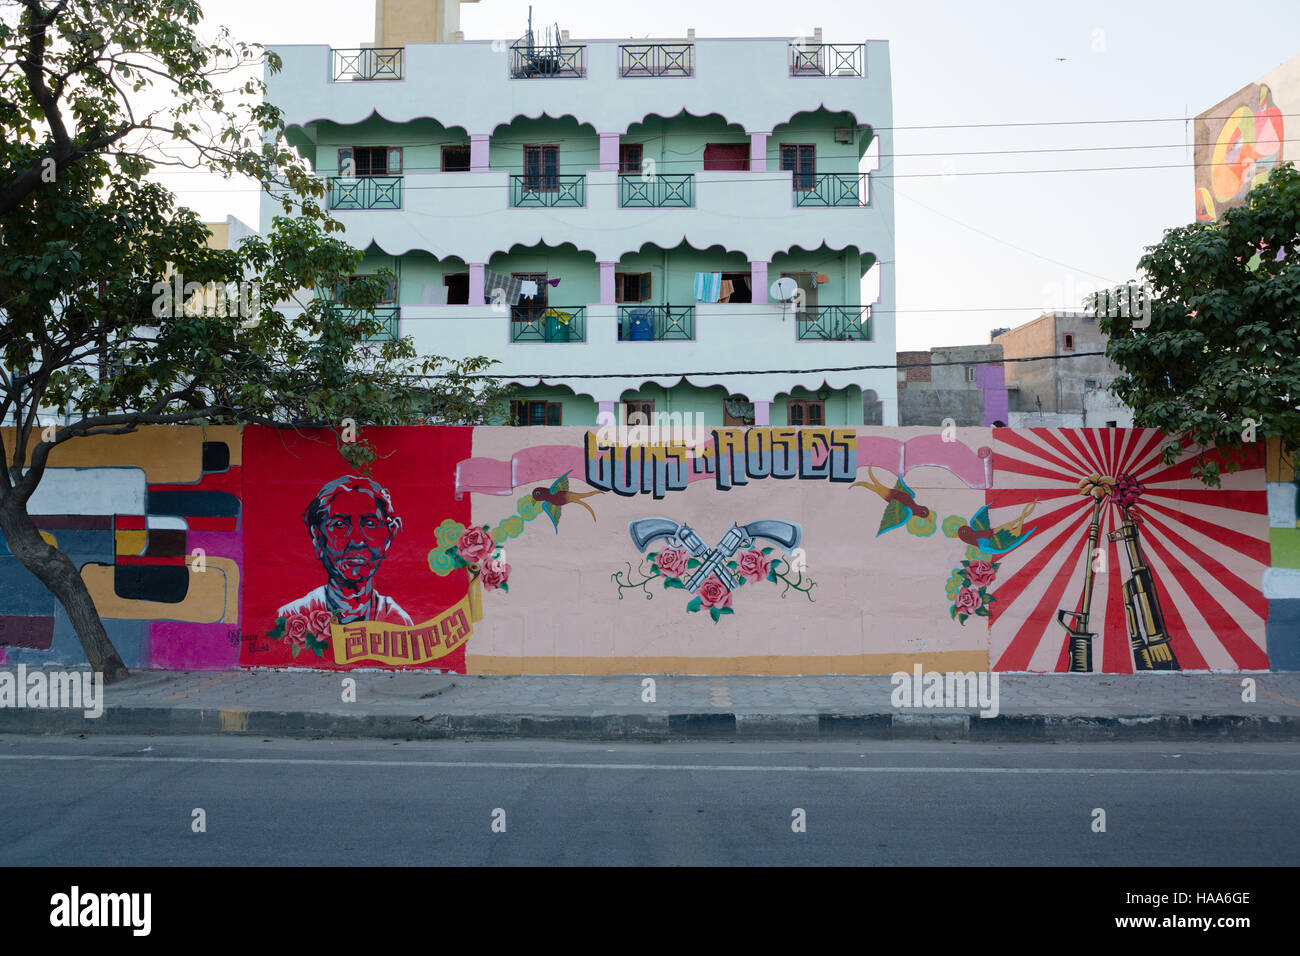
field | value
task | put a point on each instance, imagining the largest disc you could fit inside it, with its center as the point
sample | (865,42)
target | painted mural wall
(573,550)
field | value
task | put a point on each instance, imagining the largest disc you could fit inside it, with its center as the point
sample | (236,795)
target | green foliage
(1223,345)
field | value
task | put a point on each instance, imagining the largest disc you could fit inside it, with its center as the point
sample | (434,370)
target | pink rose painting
(475,544)
(968,601)
(981,573)
(713,593)
(671,562)
(296,627)
(320,621)
(753,565)
(494,574)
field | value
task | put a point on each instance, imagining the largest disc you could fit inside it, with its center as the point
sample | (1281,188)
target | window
(1112,424)
(806,413)
(457,284)
(629,158)
(455,159)
(1069,341)
(542,169)
(741,290)
(645,412)
(390,295)
(970,373)
(726,156)
(1089,383)
(530,310)
(534,413)
(370,161)
(801,159)
(631,286)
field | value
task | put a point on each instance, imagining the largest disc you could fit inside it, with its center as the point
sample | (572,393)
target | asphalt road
(326,802)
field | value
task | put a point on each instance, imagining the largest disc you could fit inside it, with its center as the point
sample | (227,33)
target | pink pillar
(476,282)
(609,151)
(758,152)
(605,414)
(607,282)
(478,152)
(758,278)
(762,413)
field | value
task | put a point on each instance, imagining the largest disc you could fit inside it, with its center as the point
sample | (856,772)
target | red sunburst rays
(1205,549)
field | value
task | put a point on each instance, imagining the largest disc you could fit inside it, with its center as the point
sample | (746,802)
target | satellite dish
(784,289)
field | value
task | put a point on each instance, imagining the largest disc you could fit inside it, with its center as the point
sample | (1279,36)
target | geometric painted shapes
(89,491)
(166,453)
(24,595)
(169,522)
(1282,504)
(22,631)
(130,542)
(198,504)
(1284,635)
(1285,547)
(102,522)
(216,456)
(151,582)
(129,522)
(1282,583)
(1279,463)
(165,543)
(211,595)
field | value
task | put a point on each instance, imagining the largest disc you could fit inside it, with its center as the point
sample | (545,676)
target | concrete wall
(1056,385)
(903,548)
(956,386)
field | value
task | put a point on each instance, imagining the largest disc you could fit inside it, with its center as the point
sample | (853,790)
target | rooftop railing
(372,63)
(828,59)
(560,60)
(656,59)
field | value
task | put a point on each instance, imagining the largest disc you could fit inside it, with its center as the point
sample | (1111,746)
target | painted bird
(558,495)
(997,540)
(900,502)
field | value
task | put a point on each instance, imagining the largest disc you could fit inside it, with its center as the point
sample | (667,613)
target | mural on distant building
(1059,550)
(1238,144)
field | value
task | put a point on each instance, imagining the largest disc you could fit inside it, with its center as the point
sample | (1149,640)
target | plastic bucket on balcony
(640,325)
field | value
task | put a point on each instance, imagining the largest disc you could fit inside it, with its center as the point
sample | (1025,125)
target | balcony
(528,191)
(656,59)
(660,190)
(830,189)
(387,316)
(828,59)
(378,63)
(552,323)
(365,192)
(656,323)
(834,323)
(560,60)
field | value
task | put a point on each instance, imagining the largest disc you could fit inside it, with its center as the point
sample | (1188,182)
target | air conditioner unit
(844,134)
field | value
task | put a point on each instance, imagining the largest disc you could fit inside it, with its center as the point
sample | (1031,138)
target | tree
(1219,364)
(92,251)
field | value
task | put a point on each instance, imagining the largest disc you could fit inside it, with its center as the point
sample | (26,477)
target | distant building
(963,383)
(1241,139)
(1064,392)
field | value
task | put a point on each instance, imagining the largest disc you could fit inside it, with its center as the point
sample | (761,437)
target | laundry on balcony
(726,291)
(564,318)
(514,287)
(528,288)
(708,286)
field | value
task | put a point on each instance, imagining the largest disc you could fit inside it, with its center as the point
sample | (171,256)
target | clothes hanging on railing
(708,286)
(528,288)
(512,286)
(726,290)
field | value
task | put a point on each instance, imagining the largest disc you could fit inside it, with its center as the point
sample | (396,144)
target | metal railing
(373,63)
(661,189)
(656,59)
(546,190)
(656,323)
(827,59)
(565,59)
(834,323)
(365,192)
(830,189)
(387,316)
(550,323)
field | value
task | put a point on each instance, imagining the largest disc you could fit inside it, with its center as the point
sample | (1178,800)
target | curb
(165,721)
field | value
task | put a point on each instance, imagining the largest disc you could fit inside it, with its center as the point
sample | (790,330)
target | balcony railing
(548,190)
(565,59)
(830,189)
(377,63)
(656,323)
(551,323)
(661,189)
(833,323)
(656,59)
(387,316)
(365,192)
(828,59)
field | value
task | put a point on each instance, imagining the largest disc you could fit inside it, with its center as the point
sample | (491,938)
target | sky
(973,252)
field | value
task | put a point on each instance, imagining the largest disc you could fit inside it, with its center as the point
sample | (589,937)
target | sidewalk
(420,706)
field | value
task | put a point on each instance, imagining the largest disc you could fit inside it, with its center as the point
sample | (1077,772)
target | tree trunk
(54,569)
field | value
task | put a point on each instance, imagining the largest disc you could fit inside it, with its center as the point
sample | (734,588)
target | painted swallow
(997,540)
(558,495)
(901,494)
